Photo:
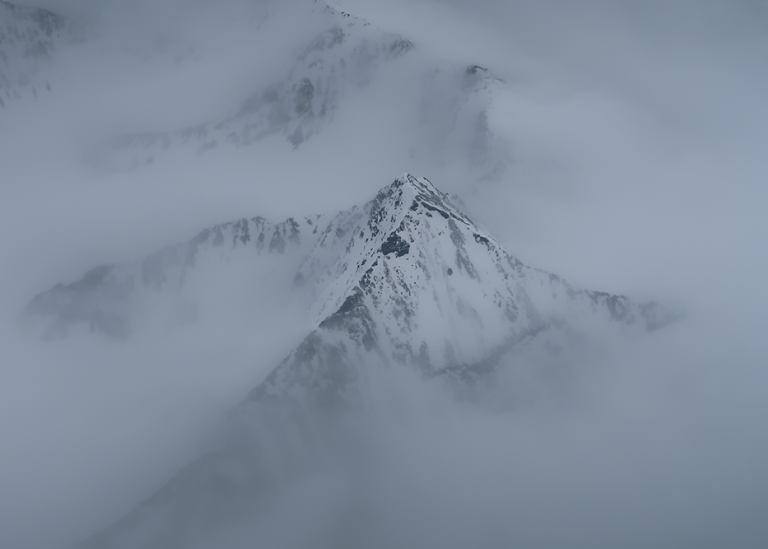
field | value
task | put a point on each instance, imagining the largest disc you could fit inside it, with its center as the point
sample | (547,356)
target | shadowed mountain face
(405,282)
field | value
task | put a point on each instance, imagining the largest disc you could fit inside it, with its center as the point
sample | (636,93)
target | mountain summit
(410,278)
(406,277)
(405,282)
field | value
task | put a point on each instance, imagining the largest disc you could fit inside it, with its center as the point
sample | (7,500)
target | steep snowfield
(410,279)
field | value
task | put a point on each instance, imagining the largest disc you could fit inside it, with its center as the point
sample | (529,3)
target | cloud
(637,146)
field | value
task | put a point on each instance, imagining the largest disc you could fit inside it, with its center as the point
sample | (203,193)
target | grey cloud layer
(636,164)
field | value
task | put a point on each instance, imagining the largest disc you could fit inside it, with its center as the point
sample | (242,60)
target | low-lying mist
(636,165)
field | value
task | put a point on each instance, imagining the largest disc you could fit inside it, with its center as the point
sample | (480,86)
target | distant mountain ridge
(451,103)
(345,56)
(296,107)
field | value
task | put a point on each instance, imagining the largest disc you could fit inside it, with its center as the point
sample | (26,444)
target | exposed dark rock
(481,239)
(396,245)
(618,305)
(303,97)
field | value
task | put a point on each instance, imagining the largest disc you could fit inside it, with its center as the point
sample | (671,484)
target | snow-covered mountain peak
(406,278)
(436,291)
(355,239)
(404,283)
(440,289)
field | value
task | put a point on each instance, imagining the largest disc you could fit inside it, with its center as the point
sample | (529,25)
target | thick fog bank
(637,165)
(653,442)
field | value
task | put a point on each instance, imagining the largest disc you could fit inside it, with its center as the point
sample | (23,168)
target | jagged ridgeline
(407,273)
(405,281)
(164,288)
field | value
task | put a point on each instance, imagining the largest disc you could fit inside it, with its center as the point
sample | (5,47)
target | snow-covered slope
(409,279)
